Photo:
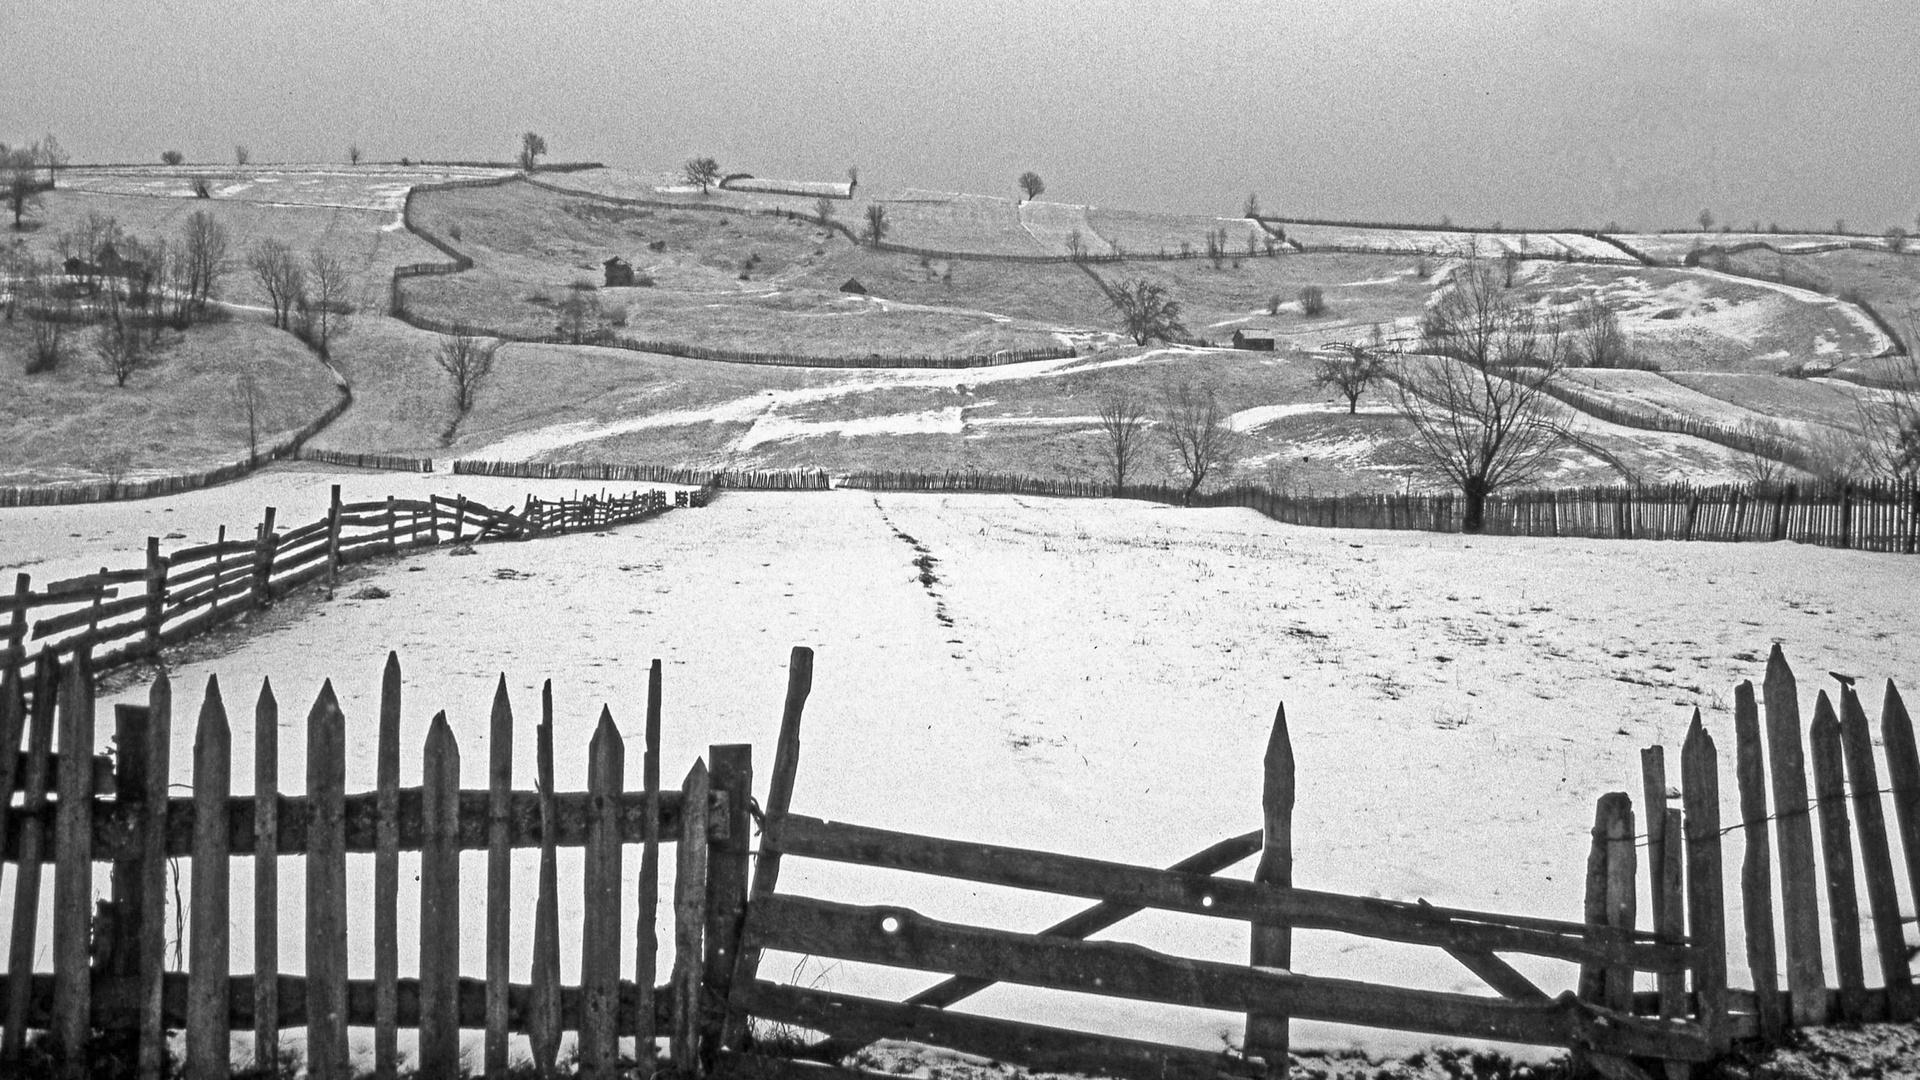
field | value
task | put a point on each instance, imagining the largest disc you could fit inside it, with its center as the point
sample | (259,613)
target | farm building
(619,272)
(1258,339)
(853,286)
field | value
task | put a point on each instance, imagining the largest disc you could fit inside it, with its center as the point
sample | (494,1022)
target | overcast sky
(1529,113)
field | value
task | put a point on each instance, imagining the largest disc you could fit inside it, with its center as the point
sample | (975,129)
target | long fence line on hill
(111,490)
(747,479)
(387,462)
(1874,517)
(132,613)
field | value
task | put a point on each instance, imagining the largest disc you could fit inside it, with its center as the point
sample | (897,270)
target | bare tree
(353,153)
(1896,239)
(48,303)
(123,350)
(853,178)
(242,156)
(202,187)
(18,166)
(322,311)
(54,157)
(1760,463)
(205,243)
(248,400)
(171,157)
(1889,418)
(1481,408)
(467,359)
(578,313)
(1076,244)
(1123,422)
(877,223)
(1031,183)
(1147,311)
(704,171)
(279,275)
(1252,208)
(1706,221)
(1195,425)
(1348,367)
(823,207)
(1599,342)
(1313,300)
(532,146)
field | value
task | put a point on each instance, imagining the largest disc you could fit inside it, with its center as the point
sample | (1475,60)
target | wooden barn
(1258,339)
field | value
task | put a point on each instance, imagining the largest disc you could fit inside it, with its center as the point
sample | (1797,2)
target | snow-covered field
(365,187)
(1091,677)
(1447,242)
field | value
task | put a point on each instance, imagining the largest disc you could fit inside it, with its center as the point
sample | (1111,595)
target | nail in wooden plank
(1793,828)
(386,875)
(208,955)
(1836,845)
(326,889)
(440,905)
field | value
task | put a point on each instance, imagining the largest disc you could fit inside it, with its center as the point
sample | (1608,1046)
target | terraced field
(1449,243)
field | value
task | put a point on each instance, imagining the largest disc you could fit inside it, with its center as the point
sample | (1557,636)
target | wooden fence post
(1621,873)
(1608,811)
(1706,904)
(386,875)
(786,765)
(689,922)
(1883,897)
(333,540)
(326,889)
(116,941)
(1836,847)
(1653,779)
(727,876)
(1903,774)
(267,543)
(266,878)
(440,905)
(1756,869)
(600,910)
(73,873)
(646,962)
(26,886)
(543,1020)
(207,973)
(17,621)
(1267,1034)
(393,528)
(499,878)
(156,597)
(151,879)
(1793,827)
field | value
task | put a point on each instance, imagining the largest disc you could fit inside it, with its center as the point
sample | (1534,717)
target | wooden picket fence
(126,614)
(1866,517)
(389,462)
(634,472)
(728,908)
(1771,770)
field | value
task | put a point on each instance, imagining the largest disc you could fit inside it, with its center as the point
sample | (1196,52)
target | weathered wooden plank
(1089,921)
(1505,979)
(1031,1045)
(731,770)
(499,877)
(215,550)
(386,874)
(266,876)
(600,905)
(326,888)
(1669,880)
(1903,771)
(1267,1035)
(151,873)
(1793,828)
(440,907)
(899,937)
(1204,895)
(89,616)
(786,764)
(1836,846)
(208,953)
(544,1012)
(1706,904)
(689,924)
(33,830)
(19,602)
(646,960)
(73,875)
(265,542)
(1620,900)
(1876,859)
(1653,781)
(1756,868)
(13,729)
